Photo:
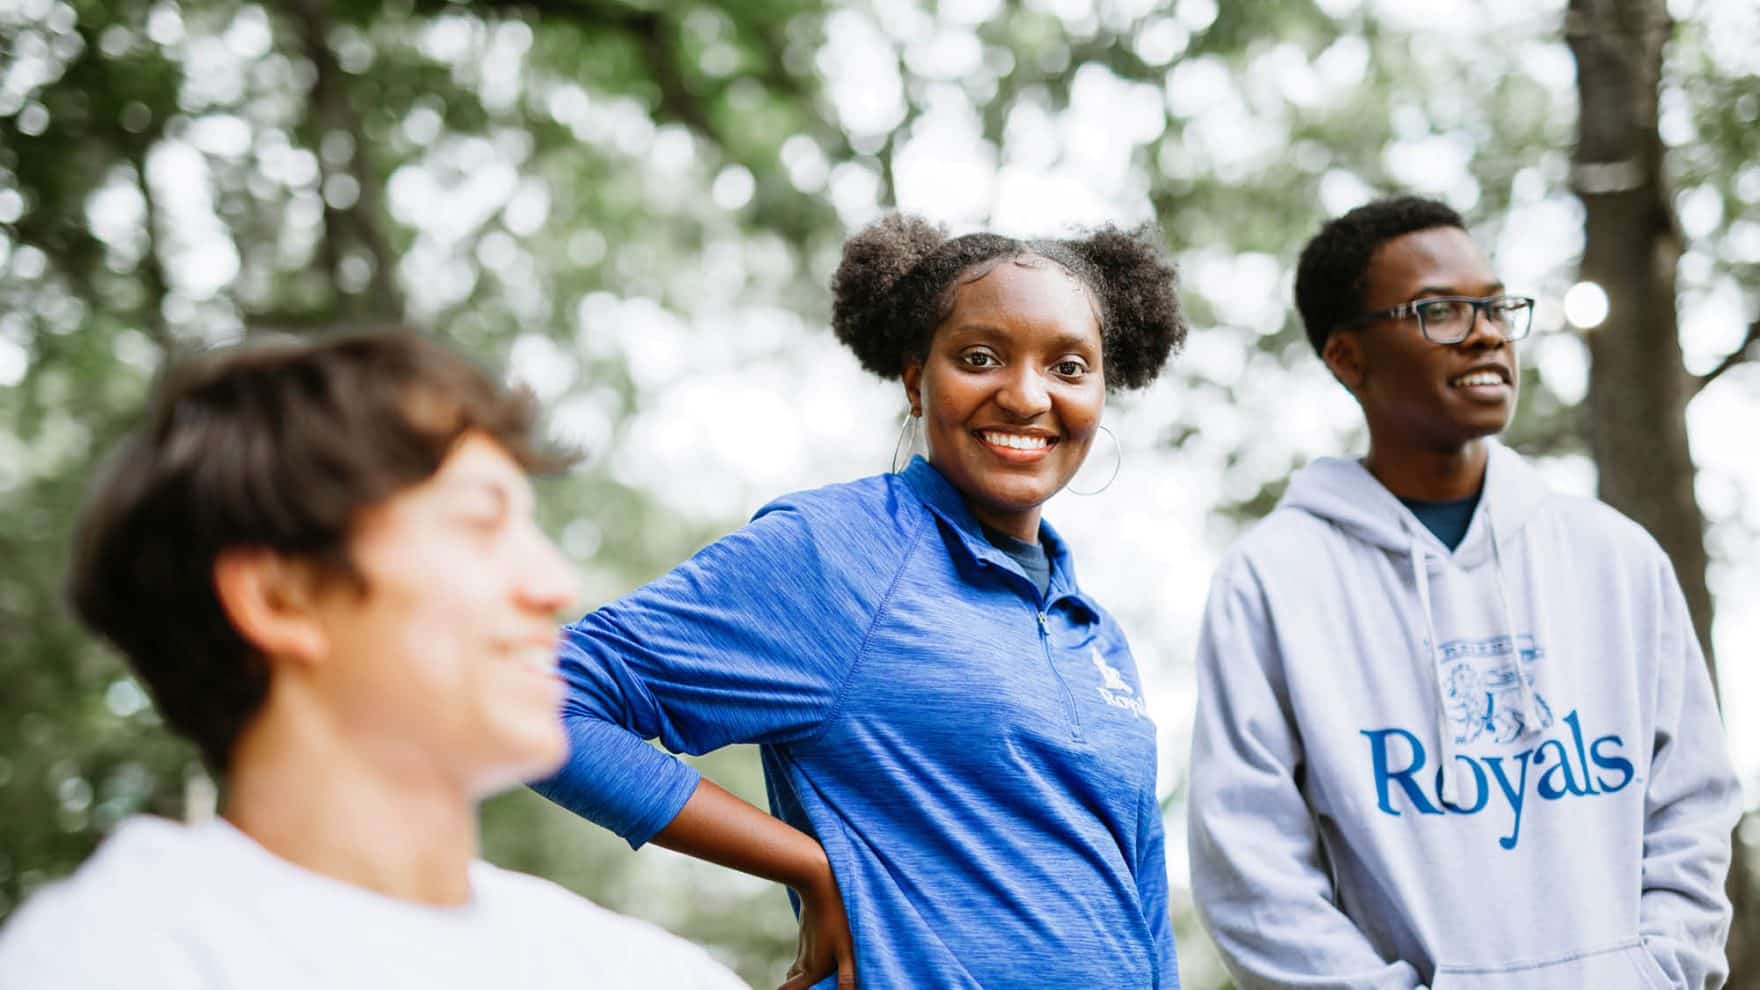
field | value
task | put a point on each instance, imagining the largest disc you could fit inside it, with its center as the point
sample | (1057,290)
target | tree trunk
(1638,386)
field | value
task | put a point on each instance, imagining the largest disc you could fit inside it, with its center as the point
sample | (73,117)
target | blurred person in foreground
(1454,728)
(960,769)
(320,559)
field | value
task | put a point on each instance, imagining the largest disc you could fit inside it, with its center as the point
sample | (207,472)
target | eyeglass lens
(1449,321)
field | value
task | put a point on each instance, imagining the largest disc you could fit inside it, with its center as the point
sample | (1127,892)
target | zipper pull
(1042,626)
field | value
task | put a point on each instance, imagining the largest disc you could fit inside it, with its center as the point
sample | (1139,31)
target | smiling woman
(1006,348)
(960,768)
(1011,390)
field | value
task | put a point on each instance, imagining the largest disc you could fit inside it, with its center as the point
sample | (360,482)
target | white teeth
(1480,378)
(1016,441)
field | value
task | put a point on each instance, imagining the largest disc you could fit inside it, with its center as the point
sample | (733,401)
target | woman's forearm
(717,826)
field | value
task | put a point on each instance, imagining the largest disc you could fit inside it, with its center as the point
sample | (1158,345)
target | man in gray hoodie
(1454,728)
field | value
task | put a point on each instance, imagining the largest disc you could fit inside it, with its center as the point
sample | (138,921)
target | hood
(1341,491)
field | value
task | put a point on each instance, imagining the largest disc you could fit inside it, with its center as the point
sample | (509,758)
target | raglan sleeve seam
(836,710)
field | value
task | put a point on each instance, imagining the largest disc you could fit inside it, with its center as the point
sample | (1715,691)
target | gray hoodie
(1500,766)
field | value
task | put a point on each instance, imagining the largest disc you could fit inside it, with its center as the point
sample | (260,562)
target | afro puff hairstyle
(895,286)
(1334,267)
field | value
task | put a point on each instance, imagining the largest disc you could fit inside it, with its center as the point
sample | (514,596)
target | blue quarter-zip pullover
(974,756)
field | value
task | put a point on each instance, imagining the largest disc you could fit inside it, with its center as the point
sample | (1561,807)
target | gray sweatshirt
(1500,766)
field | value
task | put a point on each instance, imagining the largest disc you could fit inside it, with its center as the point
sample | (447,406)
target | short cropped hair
(895,285)
(277,445)
(1334,266)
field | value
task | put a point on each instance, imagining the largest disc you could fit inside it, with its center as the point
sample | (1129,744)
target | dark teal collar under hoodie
(1498,766)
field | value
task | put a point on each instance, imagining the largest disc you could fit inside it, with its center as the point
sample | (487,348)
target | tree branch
(357,224)
(645,27)
(1735,357)
(651,31)
(679,93)
(677,99)
(153,269)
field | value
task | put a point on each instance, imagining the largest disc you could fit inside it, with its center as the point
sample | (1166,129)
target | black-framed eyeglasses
(1450,319)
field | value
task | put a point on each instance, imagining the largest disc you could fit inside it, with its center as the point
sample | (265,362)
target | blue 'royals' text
(1560,771)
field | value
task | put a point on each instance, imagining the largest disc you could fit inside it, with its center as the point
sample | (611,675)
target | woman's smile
(1015,447)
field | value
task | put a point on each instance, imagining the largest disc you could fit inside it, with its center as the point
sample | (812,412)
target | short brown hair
(278,445)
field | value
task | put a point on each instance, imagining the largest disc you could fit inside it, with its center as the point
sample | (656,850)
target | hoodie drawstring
(1531,718)
(1530,706)
(1444,730)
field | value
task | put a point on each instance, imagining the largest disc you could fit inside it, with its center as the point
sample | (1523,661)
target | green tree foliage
(176,175)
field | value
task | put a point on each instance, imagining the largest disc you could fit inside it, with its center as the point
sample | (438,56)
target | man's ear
(271,602)
(913,384)
(1343,355)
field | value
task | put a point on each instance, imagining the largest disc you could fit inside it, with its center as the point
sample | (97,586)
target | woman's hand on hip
(825,945)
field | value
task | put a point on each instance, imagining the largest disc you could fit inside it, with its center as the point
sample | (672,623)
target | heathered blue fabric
(973,755)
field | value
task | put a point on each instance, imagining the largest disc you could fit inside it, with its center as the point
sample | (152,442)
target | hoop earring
(1117,463)
(907,446)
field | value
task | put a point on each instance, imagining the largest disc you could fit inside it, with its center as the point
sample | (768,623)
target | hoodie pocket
(1621,966)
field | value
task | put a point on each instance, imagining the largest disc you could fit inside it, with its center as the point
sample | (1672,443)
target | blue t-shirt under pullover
(973,755)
